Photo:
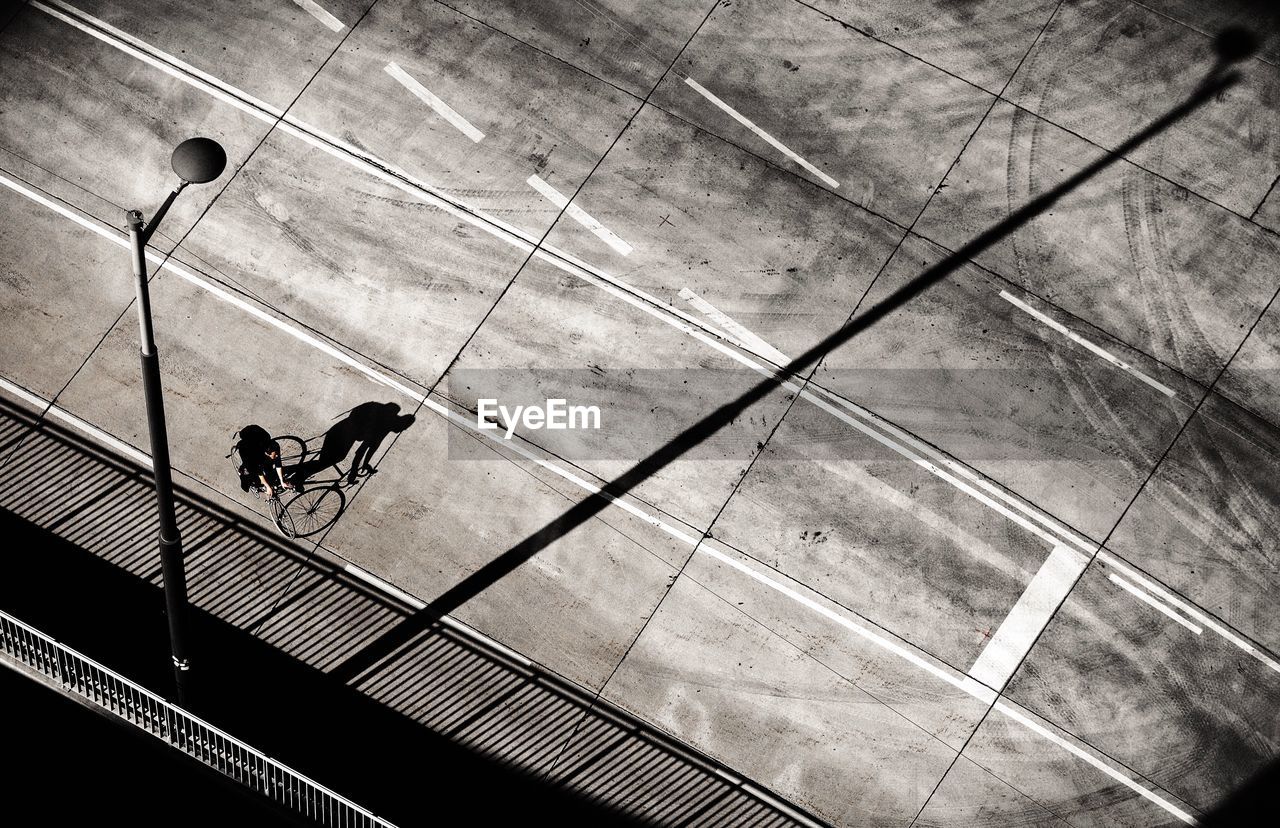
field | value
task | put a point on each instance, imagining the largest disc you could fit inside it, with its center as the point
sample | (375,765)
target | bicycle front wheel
(281,517)
(314,510)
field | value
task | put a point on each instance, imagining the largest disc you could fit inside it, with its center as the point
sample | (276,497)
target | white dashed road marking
(557,198)
(320,13)
(429,98)
(773,142)
(1074,337)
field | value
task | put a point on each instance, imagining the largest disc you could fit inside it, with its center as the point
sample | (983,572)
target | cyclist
(260,461)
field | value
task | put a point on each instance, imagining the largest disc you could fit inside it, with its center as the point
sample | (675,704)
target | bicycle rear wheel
(314,510)
(292,449)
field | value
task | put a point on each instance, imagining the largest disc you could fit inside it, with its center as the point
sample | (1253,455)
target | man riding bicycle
(260,461)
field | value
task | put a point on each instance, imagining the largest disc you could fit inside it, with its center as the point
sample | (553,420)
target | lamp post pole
(171,566)
(197,160)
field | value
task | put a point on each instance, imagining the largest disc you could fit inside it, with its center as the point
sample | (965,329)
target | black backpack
(252,443)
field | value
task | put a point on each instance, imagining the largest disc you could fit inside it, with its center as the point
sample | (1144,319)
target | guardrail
(104,688)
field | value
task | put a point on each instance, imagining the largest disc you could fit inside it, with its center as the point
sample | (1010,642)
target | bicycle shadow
(364,428)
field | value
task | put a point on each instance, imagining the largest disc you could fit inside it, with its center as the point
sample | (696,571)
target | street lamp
(196,161)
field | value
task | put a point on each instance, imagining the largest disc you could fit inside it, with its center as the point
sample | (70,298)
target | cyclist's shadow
(363,428)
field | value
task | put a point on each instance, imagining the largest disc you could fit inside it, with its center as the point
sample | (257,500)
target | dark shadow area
(1232,46)
(1256,802)
(76,766)
(8,11)
(303,718)
(363,428)
(260,660)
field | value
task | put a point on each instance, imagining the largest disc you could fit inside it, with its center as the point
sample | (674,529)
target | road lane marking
(1190,609)
(1080,340)
(1012,507)
(967,684)
(773,142)
(171,66)
(745,338)
(980,692)
(1030,615)
(1048,529)
(1085,755)
(643,301)
(1147,599)
(321,13)
(429,98)
(75,422)
(347,359)
(557,198)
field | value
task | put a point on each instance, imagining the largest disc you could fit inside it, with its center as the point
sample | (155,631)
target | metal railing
(207,744)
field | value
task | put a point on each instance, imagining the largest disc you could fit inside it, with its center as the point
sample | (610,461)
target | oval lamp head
(199,160)
(1234,43)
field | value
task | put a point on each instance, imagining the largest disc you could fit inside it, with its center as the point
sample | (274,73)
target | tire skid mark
(1093,404)
(1029,241)
(1186,335)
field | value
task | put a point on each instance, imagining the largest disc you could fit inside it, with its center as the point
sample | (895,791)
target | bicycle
(312,508)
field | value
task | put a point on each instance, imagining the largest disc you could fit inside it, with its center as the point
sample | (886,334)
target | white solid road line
(1031,614)
(773,142)
(745,338)
(1190,609)
(320,13)
(1012,507)
(1147,599)
(429,98)
(553,256)
(913,449)
(905,444)
(1074,337)
(75,422)
(145,52)
(378,377)
(1121,777)
(903,449)
(557,198)
(983,694)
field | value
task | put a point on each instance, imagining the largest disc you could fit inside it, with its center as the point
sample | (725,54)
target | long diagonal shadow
(1232,46)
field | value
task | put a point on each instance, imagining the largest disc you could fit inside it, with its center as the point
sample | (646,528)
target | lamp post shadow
(1233,45)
